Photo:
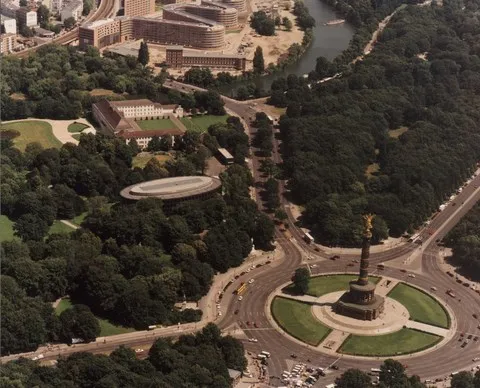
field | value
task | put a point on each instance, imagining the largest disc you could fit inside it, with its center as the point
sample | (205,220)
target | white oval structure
(175,189)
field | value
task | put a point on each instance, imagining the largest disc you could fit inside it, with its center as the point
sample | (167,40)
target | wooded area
(130,262)
(342,153)
(464,240)
(201,360)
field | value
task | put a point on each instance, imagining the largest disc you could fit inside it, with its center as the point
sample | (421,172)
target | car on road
(314,266)
(354,261)
(476,359)
(251,281)
(254,324)
(253,340)
(236,311)
(334,367)
(334,257)
(411,275)
(470,336)
(433,288)
(240,298)
(219,313)
(475,338)
(475,316)
(350,265)
(139,350)
(403,270)
(293,355)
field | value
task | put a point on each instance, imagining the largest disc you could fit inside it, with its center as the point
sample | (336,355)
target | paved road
(253,306)
(433,364)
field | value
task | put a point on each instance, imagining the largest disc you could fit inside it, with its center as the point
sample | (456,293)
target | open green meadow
(201,123)
(157,124)
(297,320)
(421,306)
(401,342)
(32,131)
(321,285)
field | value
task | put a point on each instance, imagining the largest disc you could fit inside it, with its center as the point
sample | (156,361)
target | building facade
(26,17)
(177,57)
(73,9)
(103,33)
(7,43)
(118,118)
(9,24)
(138,7)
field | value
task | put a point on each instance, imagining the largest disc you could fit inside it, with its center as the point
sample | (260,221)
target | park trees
(262,23)
(353,378)
(301,279)
(68,23)
(143,54)
(287,23)
(258,62)
(79,322)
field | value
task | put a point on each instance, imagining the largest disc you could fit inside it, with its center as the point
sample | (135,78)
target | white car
(139,350)
(411,275)
(253,340)
(240,297)
(314,266)
(248,270)
(219,313)
(251,281)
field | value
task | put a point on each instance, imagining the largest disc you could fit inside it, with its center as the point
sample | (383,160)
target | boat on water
(335,22)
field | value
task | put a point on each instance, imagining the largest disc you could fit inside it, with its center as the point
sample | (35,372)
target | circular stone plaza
(174,190)
(368,316)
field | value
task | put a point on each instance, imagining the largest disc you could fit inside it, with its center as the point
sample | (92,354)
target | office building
(138,7)
(177,57)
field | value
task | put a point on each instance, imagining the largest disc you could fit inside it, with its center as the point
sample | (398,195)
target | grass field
(421,306)
(32,131)
(78,219)
(297,320)
(60,228)
(6,229)
(76,136)
(201,123)
(400,342)
(76,127)
(156,124)
(107,328)
(321,285)
(141,160)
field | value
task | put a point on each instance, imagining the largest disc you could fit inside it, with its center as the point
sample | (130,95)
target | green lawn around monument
(421,306)
(403,341)
(297,320)
(321,285)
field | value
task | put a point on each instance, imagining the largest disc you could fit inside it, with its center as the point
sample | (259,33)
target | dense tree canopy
(464,240)
(395,135)
(130,262)
(200,360)
(56,81)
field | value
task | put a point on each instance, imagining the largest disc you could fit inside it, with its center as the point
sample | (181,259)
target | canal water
(328,41)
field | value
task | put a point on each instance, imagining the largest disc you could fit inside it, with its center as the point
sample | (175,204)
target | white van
(267,354)
(261,356)
(330,386)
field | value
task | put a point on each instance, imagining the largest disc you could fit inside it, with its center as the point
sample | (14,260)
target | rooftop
(172,188)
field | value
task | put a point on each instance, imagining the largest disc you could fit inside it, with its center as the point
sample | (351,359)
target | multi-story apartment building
(138,7)
(9,24)
(26,17)
(178,57)
(7,43)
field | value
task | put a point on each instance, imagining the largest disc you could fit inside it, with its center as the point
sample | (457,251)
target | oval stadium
(174,190)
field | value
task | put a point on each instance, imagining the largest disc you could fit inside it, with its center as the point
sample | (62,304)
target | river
(328,41)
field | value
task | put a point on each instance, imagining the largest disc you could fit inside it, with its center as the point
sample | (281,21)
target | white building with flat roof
(9,24)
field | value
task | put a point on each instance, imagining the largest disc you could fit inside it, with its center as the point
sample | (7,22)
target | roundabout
(412,321)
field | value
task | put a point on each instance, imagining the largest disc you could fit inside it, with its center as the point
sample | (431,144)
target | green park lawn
(159,124)
(321,285)
(421,306)
(32,131)
(79,219)
(142,159)
(297,320)
(107,328)
(60,228)
(201,123)
(6,228)
(76,127)
(403,341)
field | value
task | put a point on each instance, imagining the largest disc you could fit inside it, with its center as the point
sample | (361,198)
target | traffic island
(312,319)
(404,341)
